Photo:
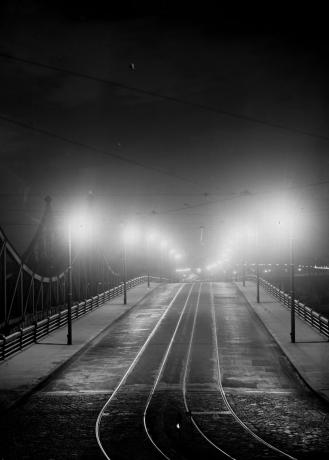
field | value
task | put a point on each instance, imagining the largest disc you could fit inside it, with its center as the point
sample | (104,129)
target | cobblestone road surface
(58,422)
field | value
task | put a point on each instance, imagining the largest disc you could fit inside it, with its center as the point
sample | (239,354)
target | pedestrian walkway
(23,372)
(309,355)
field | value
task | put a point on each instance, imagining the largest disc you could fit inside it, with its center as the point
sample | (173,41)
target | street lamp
(288,222)
(257,264)
(130,235)
(292,282)
(69,288)
(124,269)
(163,246)
(291,238)
(258,281)
(150,238)
(77,225)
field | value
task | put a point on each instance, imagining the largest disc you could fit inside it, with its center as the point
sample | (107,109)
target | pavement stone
(23,372)
(309,355)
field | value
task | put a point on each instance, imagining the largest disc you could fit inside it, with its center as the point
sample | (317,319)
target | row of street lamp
(130,235)
(246,235)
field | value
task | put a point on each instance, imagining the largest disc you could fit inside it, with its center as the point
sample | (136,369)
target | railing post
(35,331)
(4,280)
(21,338)
(3,338)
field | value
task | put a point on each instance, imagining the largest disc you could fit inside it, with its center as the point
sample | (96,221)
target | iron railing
(310,316)
(26,296)
(17,341)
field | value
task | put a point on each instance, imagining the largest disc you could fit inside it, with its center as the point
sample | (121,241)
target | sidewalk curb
(321,396)
(59,368)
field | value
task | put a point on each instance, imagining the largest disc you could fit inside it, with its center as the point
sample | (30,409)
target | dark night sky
(220,103)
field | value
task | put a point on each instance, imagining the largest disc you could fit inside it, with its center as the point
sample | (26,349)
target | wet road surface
(208,355)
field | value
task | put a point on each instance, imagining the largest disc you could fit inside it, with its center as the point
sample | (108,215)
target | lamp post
(129,236)
(292,283)
(243,242)
(163,246)
(257,265)
(258,300)
(289,222)
(172,257)
(148,264)
(69,288)
(150,238)
(124,261)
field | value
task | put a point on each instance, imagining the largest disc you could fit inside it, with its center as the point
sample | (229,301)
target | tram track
(128,372)
(228,408)
(223,395)
(189,415)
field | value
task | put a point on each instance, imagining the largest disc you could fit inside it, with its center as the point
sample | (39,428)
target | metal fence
(310,316)
(26,336)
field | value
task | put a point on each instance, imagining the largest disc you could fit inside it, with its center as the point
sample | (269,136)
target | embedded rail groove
(220,388)
(163,362)
(188,408)
(129,370)
(222,392)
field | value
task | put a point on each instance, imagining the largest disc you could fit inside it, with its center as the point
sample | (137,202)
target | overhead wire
(158,95)
(245,194)
(85,146)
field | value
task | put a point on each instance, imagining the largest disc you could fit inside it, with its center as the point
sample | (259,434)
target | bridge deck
(20,374)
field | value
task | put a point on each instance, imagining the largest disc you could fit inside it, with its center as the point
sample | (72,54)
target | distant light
(164,244)
(151,237)
(211,266)
(178,426)
(178,256)
(80,225)
(198,270)
(131,234)
(183,270)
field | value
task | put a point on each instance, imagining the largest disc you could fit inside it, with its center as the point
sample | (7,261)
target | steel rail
(222,391)
(163,362)
(188,409)
(128,371)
